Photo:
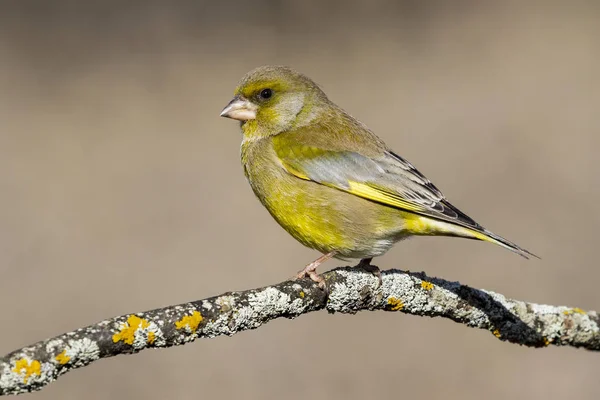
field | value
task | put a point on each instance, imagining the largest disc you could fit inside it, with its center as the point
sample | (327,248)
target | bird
(329,181)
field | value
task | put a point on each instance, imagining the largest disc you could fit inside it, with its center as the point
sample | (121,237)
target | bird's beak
(239,108)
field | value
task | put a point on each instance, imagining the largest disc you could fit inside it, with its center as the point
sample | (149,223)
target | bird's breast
(318,216)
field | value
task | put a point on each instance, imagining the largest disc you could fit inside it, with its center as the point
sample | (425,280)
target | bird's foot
(311,270)
(365,264)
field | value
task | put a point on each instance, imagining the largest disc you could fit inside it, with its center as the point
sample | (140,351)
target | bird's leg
(311,269)
(365,264)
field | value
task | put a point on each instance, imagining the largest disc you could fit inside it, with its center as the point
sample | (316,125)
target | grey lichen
(355,291)
(82,352)
(349,290)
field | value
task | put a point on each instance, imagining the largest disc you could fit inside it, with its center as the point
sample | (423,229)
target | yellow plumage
(328,180)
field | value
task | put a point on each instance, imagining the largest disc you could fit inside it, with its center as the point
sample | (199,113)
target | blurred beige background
(121,188)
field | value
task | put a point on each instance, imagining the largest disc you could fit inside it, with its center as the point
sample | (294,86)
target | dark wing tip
(511,246)
(528,253)
(453,212)
(446,211)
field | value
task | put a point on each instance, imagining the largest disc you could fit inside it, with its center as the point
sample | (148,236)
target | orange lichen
(395,304)
(23,366)
(301,294)
(496,333)
(127,333)
(63,358)
(189,321)
(547,341)
(426,285)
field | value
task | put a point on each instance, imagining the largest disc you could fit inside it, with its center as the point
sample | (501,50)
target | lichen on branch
(349,290)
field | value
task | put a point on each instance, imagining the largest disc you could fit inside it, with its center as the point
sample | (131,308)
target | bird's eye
(265,94)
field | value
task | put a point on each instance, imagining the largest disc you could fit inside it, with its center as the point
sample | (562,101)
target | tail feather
(424,225)
(491,237)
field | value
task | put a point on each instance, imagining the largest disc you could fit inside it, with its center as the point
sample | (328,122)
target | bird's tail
(491,237)
(465,228)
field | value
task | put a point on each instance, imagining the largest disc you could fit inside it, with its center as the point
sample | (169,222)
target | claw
(311,270)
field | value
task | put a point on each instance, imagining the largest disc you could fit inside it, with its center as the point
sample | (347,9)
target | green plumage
(328,180)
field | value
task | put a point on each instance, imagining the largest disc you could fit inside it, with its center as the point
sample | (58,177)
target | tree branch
(350,290)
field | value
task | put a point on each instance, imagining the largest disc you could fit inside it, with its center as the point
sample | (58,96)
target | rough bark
(349,290)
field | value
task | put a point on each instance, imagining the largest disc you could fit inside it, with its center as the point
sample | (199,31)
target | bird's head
(272,99)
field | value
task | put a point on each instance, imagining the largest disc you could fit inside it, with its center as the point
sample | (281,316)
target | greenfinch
(330,181)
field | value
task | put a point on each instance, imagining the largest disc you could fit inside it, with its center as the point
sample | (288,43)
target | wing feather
(365,168)
(387,179)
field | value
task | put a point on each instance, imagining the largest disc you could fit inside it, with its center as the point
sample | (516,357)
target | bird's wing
(382,177)
(386,179)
